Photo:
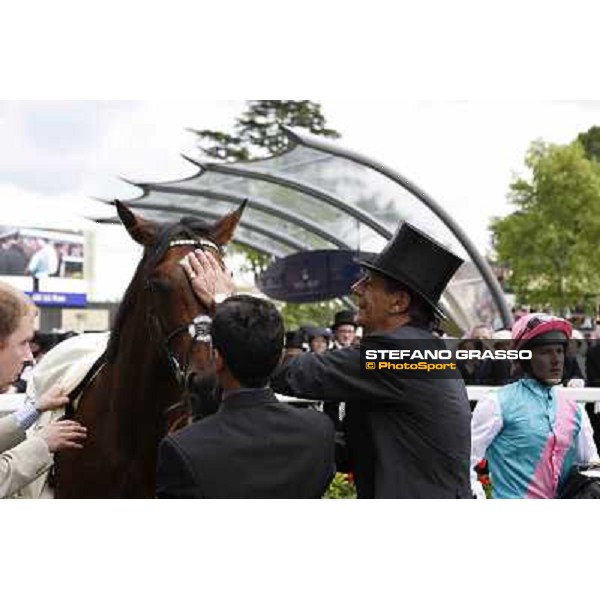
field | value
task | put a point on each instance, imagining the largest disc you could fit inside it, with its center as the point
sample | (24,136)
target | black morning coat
(253,447)
(406,438)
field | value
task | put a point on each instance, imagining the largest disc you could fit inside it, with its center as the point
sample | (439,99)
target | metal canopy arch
(253,203)
(437,209)
(215,215)
(320,195)
(240,239)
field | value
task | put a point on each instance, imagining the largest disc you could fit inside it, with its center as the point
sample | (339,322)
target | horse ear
(141,230)
(222,230)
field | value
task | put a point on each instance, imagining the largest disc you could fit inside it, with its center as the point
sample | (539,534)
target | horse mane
(186,227)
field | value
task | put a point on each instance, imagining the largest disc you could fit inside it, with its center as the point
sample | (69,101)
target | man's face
(547,363)
(16,351)
(344,335)
(374,303)
(318,344)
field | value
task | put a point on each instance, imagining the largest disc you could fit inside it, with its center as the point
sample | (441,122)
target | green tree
(313,313)
(550,243)
(590,140)
(256,262)
(256,134)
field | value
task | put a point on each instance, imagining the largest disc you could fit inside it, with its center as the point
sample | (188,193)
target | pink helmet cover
(531,326)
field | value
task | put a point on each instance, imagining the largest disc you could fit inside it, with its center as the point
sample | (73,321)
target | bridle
(198,328)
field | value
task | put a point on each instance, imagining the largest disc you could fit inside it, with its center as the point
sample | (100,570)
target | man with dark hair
(407,437)
(254,446)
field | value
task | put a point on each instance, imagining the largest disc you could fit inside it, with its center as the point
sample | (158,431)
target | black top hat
(418,261)
(343,317)
(293,339)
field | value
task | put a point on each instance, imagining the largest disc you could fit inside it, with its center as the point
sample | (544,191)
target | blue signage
(57,299)
(310,276)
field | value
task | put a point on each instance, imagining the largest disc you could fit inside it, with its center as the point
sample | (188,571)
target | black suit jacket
(592,369)
(253,447)
(592,365)
(407,438)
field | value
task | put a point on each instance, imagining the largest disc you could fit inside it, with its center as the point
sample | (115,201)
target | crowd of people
(38,256)
(401,437)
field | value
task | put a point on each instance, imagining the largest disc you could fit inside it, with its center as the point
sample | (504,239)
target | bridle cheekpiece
(198,329)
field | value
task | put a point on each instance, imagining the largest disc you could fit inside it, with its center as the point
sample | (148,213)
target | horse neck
(141,363)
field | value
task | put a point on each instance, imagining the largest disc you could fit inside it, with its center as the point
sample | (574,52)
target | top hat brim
(346,319)
(406,281)
(334,326)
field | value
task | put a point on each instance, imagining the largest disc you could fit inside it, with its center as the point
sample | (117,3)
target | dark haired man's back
(253,447)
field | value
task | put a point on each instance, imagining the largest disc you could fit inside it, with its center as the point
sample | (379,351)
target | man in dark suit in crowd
(592,369)
(254,446)
(344,332)
(13,260)
(407,437)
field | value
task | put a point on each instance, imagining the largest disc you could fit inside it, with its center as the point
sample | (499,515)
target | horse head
(176,320)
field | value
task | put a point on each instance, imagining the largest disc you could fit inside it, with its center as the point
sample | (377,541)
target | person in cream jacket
(24,459)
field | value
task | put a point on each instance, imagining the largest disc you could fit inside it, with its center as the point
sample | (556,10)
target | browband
(202,243)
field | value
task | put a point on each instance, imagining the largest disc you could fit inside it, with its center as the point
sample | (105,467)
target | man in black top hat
(344,334)
(343,328)
(293,343)
(407,438)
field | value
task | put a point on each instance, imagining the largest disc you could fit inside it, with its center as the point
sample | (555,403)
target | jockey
(529,434)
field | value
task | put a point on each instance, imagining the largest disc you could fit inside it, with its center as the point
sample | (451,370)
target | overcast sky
(57,155)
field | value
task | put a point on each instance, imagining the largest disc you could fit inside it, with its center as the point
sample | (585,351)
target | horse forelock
(186,228)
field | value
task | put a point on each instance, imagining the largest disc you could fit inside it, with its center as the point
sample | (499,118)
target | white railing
(480,392)
(11,402)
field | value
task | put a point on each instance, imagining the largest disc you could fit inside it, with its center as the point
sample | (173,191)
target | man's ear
(401,303)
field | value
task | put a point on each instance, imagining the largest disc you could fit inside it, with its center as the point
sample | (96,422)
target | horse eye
(161,285)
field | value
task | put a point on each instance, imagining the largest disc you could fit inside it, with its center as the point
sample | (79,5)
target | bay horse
(155,352)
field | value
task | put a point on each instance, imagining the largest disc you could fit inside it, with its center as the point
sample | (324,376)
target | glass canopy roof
(317,195)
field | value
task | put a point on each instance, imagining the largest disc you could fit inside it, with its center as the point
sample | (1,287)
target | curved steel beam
(282,238)
(256,204)
(487,274)
(358,214)
(238,239)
